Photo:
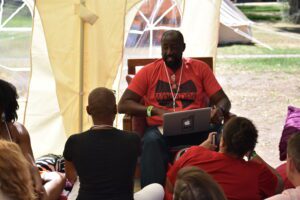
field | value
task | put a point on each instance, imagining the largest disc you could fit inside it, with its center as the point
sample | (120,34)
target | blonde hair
(15,178)
(193,183)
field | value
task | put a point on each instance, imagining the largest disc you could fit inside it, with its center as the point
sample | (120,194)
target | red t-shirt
(197,83)
(240,180)
(281,169)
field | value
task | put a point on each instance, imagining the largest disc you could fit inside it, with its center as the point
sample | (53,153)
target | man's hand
(208,143)
(216,115)
(159,112)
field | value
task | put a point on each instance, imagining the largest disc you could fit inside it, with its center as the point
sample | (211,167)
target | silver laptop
(185,122)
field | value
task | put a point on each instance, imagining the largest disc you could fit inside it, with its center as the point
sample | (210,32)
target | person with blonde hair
(15,177)
(193,183)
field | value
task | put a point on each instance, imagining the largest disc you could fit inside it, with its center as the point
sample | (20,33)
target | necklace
(102,126)
(178,88)
(8,131)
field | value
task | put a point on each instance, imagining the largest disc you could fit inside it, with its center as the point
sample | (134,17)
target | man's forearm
(224,104)
(132,108)
(280,185)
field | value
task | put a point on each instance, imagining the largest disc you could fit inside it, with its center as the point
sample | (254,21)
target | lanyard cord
(178,88)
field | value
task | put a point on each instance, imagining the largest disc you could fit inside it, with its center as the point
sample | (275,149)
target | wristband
(149,109)
(253,154)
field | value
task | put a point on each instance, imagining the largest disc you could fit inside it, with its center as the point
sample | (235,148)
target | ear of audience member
(15,178)
(292,170)
(193,183)
(293,159)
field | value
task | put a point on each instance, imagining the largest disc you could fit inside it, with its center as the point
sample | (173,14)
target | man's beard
(174,64)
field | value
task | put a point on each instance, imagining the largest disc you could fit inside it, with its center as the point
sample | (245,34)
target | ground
(263,95)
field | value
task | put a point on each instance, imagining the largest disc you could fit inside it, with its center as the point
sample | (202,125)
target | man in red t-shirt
(167,85)
(240,179)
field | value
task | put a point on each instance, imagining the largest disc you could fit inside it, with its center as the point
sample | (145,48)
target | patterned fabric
(50,163)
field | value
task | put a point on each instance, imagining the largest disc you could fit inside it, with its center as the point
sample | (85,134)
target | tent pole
(81,71)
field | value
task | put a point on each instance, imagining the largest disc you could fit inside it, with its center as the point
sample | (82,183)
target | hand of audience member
(216,116)
(208,143)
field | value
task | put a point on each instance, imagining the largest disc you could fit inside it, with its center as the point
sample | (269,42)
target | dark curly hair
(239,136)
(8,101)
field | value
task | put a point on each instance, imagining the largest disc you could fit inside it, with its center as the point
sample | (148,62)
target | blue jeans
(155,152)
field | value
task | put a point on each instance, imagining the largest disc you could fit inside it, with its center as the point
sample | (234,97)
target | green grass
(263,13)
(288,65)
(254,49)
(21,19)
(259,9)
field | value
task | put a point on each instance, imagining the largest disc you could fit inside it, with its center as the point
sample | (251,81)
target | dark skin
(172,48)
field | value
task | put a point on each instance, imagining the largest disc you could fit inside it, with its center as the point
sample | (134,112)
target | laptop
(186,122)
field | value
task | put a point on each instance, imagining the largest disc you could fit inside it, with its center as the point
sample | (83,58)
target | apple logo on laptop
(188,124)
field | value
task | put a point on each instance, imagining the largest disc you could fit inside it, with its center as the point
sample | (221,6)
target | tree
(294,11)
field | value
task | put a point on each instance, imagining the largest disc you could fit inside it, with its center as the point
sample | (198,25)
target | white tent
(78,46)
(235,27)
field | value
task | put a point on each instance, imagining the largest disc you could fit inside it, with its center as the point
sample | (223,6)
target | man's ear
(88,110)
(115,109)
(291,164)
(183,47)
(221,142)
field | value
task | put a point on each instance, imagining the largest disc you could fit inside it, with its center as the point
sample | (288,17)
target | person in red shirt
(170,84)
(240,179)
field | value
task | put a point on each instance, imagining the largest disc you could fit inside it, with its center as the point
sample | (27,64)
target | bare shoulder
(20,128)
(19,131)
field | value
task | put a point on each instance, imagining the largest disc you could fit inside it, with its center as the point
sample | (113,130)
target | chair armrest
(135,124)
(127,122)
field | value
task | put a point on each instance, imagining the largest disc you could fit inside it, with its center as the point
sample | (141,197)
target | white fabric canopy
(69,59)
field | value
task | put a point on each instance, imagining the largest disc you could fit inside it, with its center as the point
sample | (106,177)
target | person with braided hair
(48,185)
(239,178)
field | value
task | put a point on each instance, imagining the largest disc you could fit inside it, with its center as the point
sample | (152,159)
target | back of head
(194,184)
(15,177)
(8,101)
(239,136)
(102,102)
(293,150)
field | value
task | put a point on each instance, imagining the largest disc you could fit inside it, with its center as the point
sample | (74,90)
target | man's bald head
(101,102)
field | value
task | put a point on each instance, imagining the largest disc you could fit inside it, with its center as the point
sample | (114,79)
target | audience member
(170,84)
(193,183)
(103,157)
(15,132)
(15,177)
(240,179)
(292,170)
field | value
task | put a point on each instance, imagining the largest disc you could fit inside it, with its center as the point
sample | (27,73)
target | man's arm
(280,185)
(130,104)
(221,106)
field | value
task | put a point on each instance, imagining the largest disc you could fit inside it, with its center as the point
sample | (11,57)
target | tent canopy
(80,46)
